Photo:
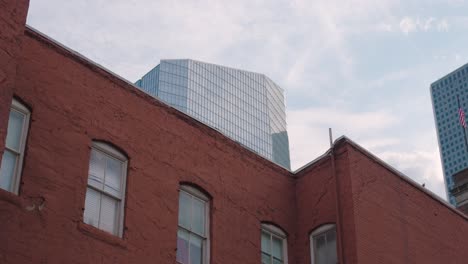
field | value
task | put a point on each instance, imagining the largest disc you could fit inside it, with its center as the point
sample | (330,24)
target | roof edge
(448,74)
(132,88)
(343,140)
(311,163)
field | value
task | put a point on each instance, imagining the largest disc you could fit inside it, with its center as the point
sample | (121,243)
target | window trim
(117,154)
(200,195)
(19,107)
(318,231)
(279,233)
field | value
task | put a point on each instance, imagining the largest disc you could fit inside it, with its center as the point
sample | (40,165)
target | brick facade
(382,216)
(12,22)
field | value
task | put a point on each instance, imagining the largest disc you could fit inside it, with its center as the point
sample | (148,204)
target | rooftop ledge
(34,33)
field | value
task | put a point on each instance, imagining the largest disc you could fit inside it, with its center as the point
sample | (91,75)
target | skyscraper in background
(449,98)
(248,107)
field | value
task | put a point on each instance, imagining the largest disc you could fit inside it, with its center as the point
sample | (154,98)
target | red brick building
(68,125)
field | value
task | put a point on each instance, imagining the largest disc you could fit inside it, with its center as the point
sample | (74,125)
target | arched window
(274,245)
(105,194)
(323,245)
(12,160)
(193,232)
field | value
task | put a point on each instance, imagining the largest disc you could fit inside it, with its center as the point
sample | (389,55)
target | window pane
(198,217)
(92,207)
(182,246)
(196,247)
(331,246)
(7,169)
(320,242)
(320,250)
(109,207)
(266,242)
(277,261)
(320,257)
(113,177)
(277,248)
(184,209)
(15,129)
(97,164)
(331,236)
(266,259)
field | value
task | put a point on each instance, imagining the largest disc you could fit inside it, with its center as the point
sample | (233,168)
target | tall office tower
(245,106)
(460,190)
(449,96)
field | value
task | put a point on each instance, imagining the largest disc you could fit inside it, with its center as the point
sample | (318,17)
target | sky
(361,67)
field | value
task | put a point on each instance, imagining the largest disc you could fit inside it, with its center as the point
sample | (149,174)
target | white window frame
(114,153)
(278,233)
(322,229)
(200,195)
(15,182)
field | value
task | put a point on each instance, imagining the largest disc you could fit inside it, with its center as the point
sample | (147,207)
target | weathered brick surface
(316,203)
(315,206)
(12,21)
(396,222)
(384,218)
(72,105)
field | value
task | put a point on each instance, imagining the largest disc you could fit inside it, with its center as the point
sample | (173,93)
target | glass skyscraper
(248,107)
(447,94)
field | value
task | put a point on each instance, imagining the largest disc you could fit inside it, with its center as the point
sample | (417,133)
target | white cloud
(422,166)
(385,27)
(411,24)
(310,48)
(408,25)
(308,136)
(443,26)
(377,144)
(130,37)
(308,130)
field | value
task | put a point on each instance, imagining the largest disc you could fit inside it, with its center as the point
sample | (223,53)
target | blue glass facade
(245,106)
(444,93)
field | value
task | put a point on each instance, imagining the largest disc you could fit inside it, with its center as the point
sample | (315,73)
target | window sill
(101,235)
(11,198)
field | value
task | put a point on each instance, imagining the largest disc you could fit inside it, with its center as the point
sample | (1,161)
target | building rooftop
(212,131)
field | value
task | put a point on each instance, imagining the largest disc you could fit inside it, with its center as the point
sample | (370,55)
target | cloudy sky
(361,67)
